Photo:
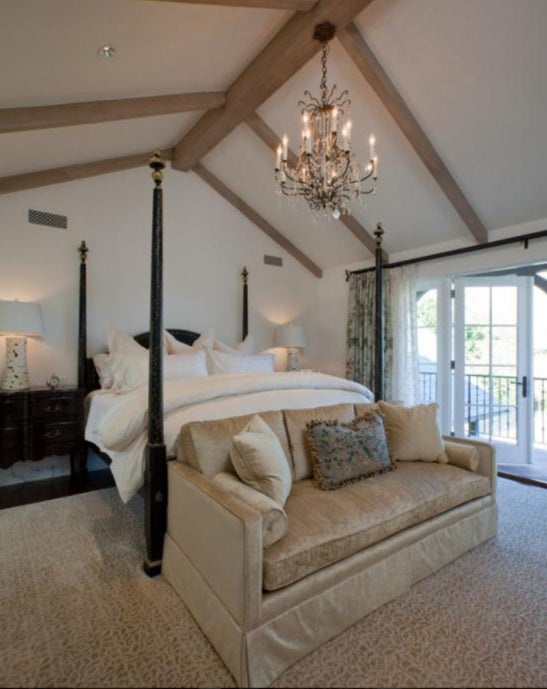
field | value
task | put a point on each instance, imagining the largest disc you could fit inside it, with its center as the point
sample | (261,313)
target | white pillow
(260,462)
(173,345)
(103,368)
(205,340)
(246,346)
(191,364)
(122,343)
(129,371)
(223,362)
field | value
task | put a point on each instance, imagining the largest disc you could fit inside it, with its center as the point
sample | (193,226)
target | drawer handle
(53,434)
(53,409)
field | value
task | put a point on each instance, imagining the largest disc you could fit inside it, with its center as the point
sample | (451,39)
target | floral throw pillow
(346,452)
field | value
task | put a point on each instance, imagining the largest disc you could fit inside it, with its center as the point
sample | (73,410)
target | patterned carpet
(76,610)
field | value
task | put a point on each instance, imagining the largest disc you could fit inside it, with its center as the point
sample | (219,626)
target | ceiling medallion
(326,173)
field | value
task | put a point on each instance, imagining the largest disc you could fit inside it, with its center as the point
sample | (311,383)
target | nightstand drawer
(12,408)
(12,436)
(54,406)
(45,434)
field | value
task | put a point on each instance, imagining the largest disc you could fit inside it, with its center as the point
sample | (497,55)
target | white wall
(207,243)
(328,326)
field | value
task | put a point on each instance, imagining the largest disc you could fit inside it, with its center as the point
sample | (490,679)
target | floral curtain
(360,330)
(401,375)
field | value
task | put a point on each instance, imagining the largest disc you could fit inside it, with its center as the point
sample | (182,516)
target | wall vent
(48,219)
(273,261)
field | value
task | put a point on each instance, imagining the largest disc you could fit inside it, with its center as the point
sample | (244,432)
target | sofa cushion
(260,462)
(327,526)
(295,422)
(347,452)
(205,445)
(413,433)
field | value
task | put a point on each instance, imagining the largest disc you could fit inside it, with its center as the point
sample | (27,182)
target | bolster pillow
(463,456)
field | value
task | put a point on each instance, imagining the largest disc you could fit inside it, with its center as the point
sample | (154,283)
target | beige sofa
(343,554)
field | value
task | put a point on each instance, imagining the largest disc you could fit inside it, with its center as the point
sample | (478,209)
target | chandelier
(326,173)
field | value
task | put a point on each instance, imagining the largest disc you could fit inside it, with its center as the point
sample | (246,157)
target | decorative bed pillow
(246,346)
(104,370)
(129,371)
(173,345)
(260,462)
(343,453)
(413,433)
(224,362)
(122,343)
(274,519)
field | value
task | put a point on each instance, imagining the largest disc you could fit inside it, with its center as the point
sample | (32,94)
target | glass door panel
(490,388)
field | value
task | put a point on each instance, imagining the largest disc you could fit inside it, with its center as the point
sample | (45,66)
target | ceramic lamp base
(293,362)
(15,371)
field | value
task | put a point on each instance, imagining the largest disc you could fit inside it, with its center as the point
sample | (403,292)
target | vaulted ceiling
(454,91)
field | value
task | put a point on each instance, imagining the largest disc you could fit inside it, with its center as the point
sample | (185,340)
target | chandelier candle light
(326,174)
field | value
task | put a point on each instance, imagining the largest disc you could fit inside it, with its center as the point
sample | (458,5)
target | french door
(492,376)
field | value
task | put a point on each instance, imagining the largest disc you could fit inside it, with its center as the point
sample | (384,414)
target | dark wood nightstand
(40,422)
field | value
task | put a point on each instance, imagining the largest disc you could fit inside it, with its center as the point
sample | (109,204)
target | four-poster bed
(137,442)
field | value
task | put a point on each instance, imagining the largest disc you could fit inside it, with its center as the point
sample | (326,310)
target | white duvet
(117,423)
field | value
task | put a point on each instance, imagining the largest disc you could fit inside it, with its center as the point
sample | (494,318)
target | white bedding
(117,423)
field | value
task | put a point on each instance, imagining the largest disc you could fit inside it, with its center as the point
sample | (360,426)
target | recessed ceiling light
(106,51)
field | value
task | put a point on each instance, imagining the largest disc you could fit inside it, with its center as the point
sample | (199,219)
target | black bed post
(155,496)
(379,319)
(82,318)
(245,276)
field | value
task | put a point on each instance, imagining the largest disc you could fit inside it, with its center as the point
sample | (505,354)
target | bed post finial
(83,251)
(245,275)
(379,233)
(157,165)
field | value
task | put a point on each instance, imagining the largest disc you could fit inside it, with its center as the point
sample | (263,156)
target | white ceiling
(472,72)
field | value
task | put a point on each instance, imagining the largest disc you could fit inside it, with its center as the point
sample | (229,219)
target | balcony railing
(491,404)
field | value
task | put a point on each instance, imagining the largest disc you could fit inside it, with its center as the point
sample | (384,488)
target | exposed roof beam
(300,5)
(541,283)
(374,73)
(270,138)
(92,112)
(284,55)
(257,219)
(69,173)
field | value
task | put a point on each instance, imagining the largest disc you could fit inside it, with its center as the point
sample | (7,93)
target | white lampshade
(290,335)
(21,318)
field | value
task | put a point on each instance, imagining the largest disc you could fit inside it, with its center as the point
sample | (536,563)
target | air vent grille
(273,261)
(48,219)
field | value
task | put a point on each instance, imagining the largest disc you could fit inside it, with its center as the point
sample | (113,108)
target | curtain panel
(401,370)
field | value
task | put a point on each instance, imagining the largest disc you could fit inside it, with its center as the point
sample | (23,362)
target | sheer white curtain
(403,383)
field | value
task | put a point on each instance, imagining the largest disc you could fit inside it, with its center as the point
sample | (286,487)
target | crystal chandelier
(326,173)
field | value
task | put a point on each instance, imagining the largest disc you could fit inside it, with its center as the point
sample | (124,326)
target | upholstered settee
(268,585)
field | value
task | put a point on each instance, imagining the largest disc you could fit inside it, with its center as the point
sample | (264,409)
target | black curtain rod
(525,238)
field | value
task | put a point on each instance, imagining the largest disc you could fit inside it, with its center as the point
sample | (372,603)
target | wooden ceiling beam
(93,112)
(284,55)
(299,5)
(270,138)
(357,48)
(69,173)
(238,203)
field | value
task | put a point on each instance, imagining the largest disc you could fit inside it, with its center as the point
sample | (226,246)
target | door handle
(524,385)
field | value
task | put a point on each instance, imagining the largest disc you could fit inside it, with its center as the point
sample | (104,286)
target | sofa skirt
(298,619)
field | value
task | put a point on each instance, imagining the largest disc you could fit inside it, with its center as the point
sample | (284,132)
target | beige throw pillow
(260,462)
(463,456)
(274,519)
(413,433)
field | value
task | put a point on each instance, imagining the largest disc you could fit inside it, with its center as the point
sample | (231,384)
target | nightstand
(40,422)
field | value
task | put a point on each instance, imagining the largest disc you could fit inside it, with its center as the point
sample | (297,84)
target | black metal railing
(491,404)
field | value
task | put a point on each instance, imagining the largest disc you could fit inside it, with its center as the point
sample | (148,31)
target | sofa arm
(222,538)
(487,456)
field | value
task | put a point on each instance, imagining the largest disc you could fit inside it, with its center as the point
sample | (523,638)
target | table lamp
(293,337)
(18,319)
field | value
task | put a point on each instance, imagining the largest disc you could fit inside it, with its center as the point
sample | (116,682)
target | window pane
(477,344)
(504,345)
(477,305)
(504,305)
